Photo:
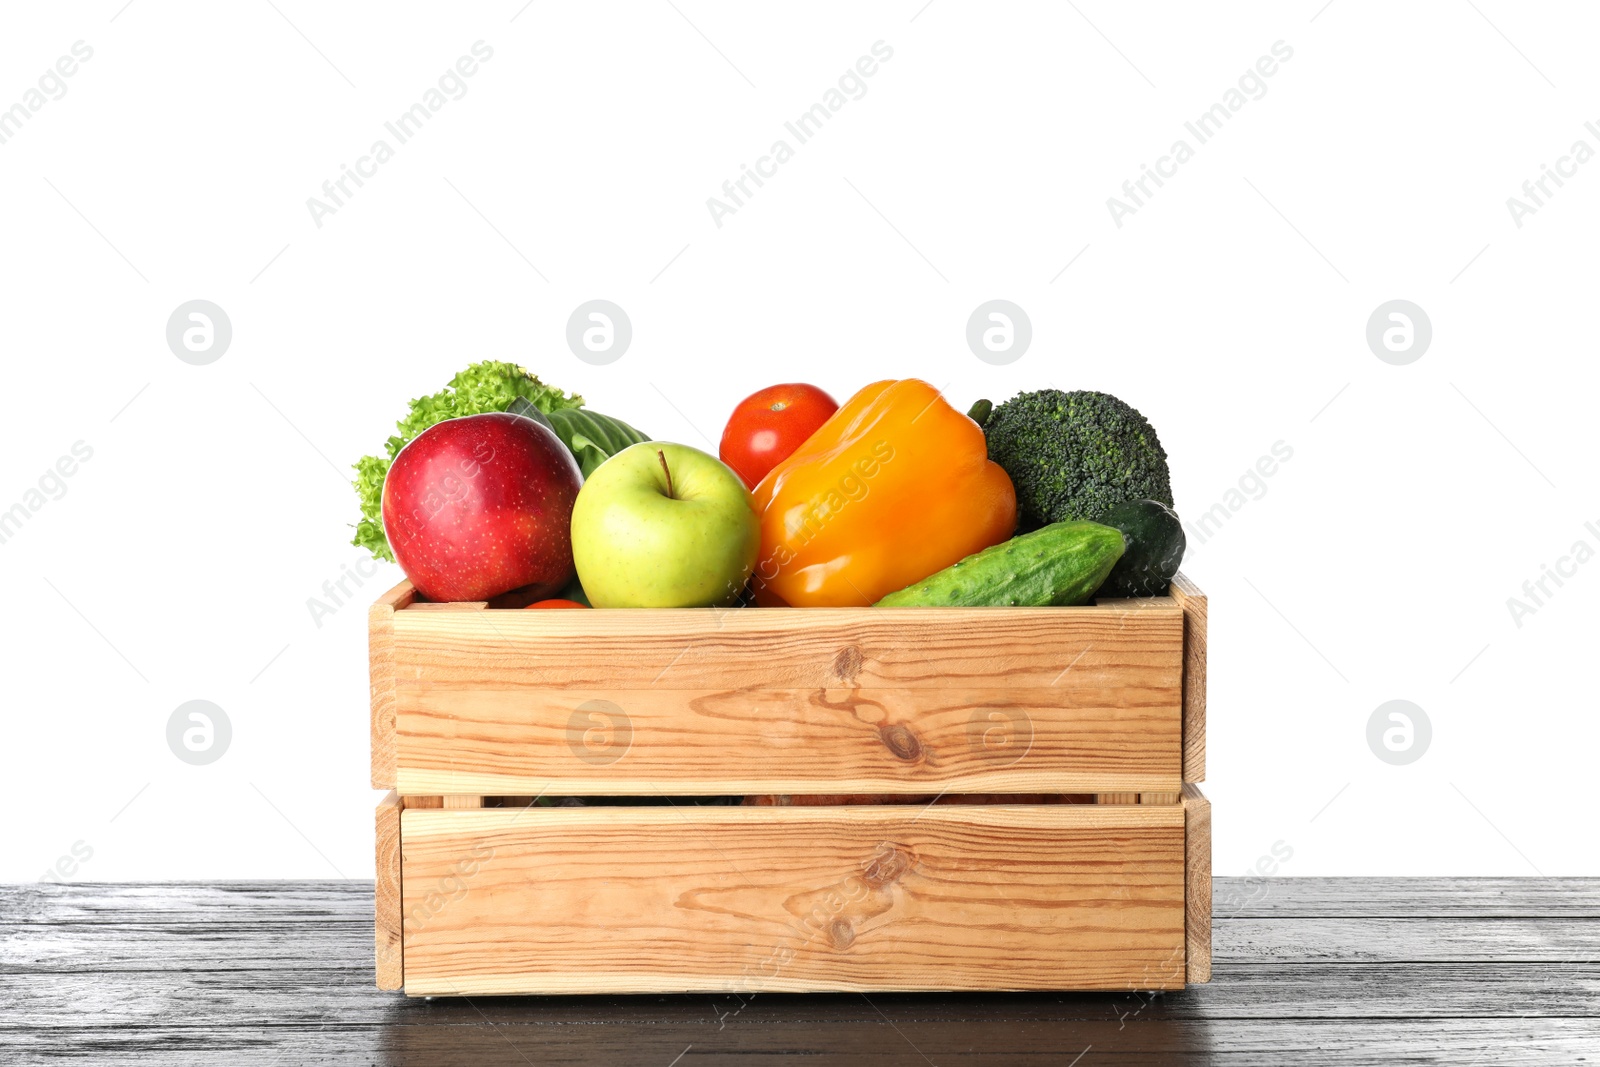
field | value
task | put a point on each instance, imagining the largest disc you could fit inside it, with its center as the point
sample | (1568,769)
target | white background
(1231,310)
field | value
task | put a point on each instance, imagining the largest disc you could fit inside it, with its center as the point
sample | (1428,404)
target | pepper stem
(668,471)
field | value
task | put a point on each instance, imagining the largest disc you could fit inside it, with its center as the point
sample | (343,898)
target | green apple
(664,526)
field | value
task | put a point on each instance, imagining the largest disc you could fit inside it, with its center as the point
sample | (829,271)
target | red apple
(481,505)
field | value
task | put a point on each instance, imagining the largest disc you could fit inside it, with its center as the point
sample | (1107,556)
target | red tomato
(768,425)
(556,604)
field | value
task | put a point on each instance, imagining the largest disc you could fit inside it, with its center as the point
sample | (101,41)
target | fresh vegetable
(592,437)
(557,604)
(664,526)
(1075,455)
(769,424)
(1155,548)
(480,505)
(980,411)
(1063,563)
(895,486)
(486,386)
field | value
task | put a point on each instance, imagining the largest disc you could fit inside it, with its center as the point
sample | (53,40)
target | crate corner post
(388,924)
(1193,603)
(1197,885)
(381,679)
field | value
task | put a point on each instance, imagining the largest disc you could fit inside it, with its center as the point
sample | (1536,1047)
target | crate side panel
(1066,739)
(697,701)
(551,900)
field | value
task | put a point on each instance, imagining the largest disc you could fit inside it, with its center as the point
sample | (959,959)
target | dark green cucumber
(1063,563)
(1155,548)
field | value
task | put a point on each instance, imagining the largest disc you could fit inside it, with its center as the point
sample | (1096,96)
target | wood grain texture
(824,799)
(381,680)
(1197,883)
(746,701)
(1193,602)
(792,648)
(691,742)
(386,895)
(746,899)
(1358,972)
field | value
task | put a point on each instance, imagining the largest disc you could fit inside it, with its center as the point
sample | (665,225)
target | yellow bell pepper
(896,485)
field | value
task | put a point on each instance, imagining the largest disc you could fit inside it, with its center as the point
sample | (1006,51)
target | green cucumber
(1155,548)
(1063,563)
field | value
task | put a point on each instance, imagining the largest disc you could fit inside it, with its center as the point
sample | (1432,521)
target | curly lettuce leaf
(486,386)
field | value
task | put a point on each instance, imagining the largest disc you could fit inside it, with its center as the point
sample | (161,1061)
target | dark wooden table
(1370,971)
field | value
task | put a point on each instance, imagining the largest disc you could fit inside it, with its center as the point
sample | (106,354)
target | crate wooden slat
(1193,602)
(786,741)
(474,700)
(658,899)
(789,648)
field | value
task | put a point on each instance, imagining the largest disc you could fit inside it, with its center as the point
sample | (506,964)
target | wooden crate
(476,710)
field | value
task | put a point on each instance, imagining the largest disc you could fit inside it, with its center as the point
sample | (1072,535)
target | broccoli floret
(486,386)
(1075,455)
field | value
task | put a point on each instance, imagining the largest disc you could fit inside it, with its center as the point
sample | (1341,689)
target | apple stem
(668,472)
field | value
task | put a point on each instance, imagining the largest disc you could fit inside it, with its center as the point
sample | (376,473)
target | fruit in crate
(769,424)
(895,486)
(664,526)
(480,505)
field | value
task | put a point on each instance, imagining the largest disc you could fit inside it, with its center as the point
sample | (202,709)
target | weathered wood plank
(816,1036)
(1412,897)
(267,942)
(232,902)
(295,992)
(1347,971)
